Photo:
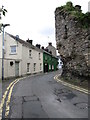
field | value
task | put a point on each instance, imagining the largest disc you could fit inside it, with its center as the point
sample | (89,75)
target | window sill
(13,54)
(28,72)
(30,57)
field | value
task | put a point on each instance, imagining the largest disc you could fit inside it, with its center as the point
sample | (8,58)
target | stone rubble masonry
(73,44)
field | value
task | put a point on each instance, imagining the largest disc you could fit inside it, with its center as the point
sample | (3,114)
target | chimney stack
(50,44)
(43,47)
(29,41)
(38,46)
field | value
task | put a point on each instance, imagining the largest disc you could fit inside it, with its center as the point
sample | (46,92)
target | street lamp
(3,25)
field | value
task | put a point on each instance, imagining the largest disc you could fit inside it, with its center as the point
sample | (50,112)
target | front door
(16,69)
(45,67)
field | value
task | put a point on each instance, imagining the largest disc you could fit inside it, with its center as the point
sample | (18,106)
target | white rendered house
(20,57)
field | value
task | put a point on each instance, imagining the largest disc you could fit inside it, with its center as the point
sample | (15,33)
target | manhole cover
(30,98)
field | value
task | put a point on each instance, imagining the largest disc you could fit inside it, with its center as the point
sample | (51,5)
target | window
(49,67)
(39,56)
(34,66)
(50,58)
(45,57)
(52,67)
(28,66)
(30,53)
(40,66)
(13,49)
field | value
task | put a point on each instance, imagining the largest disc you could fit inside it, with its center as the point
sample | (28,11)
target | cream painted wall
(37,61)
(33,59)
(9,71)
(9,41)
(22,55)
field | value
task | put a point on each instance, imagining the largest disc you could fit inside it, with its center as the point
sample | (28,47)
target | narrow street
(40,96)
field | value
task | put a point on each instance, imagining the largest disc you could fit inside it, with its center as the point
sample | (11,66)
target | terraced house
(20,57)
(50,60)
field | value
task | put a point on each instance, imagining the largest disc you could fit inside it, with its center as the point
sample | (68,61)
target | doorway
(45,67)
(16,69)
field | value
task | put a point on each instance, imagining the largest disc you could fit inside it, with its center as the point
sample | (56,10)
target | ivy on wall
(83,18)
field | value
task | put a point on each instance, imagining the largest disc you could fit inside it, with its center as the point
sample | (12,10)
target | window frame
(28,67)
(30,53)
(13,49)
(39,55)
(40,66)
(34,66)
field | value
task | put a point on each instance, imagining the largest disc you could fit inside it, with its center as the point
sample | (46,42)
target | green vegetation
(84,19)
(2,12)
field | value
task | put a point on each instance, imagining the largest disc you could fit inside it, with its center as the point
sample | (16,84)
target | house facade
(52,49)
(50,62)
(20,57)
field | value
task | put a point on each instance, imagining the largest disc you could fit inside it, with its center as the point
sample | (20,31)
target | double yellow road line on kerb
(70,85)
(7,94)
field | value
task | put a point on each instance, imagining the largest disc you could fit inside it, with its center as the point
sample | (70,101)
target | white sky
(34,19)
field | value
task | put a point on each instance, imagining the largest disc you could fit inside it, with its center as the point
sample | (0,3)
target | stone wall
(73,44)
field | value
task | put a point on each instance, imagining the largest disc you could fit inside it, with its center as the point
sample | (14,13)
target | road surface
(41,96)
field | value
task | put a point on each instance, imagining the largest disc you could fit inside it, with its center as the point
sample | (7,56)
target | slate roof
(24,43)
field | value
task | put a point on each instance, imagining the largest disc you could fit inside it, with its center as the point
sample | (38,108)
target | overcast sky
(34,19)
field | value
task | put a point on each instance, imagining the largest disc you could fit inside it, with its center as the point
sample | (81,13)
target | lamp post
(3,25)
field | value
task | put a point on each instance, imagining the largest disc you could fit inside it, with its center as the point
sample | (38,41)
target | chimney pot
(43,47)
(29,41)
(38,46)
(50,44)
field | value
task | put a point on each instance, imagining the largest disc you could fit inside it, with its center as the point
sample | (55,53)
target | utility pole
(3,25)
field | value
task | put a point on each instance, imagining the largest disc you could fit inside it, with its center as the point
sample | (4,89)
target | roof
(49,54)
(29,45)
(25,43)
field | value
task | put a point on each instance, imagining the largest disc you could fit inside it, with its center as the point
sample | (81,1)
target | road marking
(9,98)
(70,85)
(4,97)
(10,87)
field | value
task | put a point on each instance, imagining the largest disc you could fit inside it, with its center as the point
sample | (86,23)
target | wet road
(40,96)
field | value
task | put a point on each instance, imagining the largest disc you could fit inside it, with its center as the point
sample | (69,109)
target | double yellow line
(7,92)
(70,85)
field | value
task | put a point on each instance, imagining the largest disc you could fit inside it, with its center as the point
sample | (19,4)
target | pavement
(41,96)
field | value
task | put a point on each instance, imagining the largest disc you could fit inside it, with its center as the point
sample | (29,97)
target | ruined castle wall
(73,44)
